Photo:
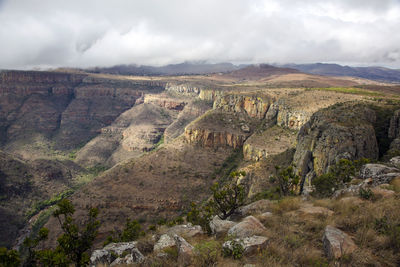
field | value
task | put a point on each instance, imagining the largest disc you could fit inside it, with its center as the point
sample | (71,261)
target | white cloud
(87,33)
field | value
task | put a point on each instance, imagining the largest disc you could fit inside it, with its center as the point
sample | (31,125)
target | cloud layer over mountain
(53,33)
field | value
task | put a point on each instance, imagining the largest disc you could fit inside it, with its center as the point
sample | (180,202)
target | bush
(366,193)
(206,253)
(9,258)
(201,216)
(236,252)
(229,197)
(288,181)
(338,175)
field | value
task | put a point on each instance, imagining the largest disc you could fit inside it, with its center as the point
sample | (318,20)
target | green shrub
(227,198)
(236,252)
(366,193)
(288,181)
(9,258)
(201,216)
(206,253)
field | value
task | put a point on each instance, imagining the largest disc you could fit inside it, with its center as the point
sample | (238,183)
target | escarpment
(340,131)
(66,109)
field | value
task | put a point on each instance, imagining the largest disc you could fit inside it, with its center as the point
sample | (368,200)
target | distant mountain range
(172,69)
(372,73)
(188,68)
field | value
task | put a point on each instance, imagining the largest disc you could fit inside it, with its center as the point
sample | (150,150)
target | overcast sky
(86,33)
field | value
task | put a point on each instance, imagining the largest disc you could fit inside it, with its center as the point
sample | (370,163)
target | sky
(87,33)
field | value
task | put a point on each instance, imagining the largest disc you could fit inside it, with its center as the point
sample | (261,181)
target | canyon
(145,147)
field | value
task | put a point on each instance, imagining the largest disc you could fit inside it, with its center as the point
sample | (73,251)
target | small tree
(74,242)
(229,197)
(9,258)
(288,180)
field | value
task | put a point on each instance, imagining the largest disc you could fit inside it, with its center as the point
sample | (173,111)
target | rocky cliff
(185,89)
(218,128)
(340,131)
(67,109)
(255,106)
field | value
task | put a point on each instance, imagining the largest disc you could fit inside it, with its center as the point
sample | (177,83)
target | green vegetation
(348,90)
(201,215)
(159,143)
(338,175)
(287,180)
(9,258)
(206,253)
(228,197)
(73,244)
(131,232)
(38,206)
(236,252)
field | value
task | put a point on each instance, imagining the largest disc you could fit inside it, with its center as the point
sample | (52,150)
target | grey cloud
(53,33)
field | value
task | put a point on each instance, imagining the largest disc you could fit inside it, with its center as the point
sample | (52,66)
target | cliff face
(165,102)
(253,105)
(67,108)
(185,89)
(340,131)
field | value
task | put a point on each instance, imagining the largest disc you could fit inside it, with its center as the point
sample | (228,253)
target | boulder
(164,242)
(185,251)
(250,245)
(379,191)
(220,227)
(254,208)
(264,216)
(337,243)
(379,173)
(187,230)
(249,226)
(395,161)
(108,254)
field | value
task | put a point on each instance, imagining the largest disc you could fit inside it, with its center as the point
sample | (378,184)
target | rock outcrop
(337,243)
(185,88)
(272,141)
(249,226)
(220,227)
(185,251)
(218,129)
(340,131)
(255,106)
(379,173)
(250,245)
(116,254)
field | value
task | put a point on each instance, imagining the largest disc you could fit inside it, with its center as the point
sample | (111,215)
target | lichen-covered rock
(250,245)
(185,251)
(125,252)
(187,230)
(249,226)
(340,131)
(257,207)
(220,227)
(165,241)
(337,243)
(379,173)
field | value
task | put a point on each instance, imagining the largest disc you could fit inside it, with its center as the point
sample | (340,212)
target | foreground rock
(185,251)
(164,242)
(117,253)
(256,207)
(248,227)
(337,243)
(220,227)
(250,245)
(186,230)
